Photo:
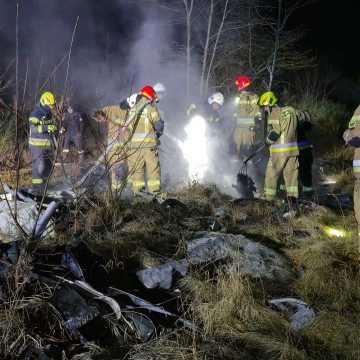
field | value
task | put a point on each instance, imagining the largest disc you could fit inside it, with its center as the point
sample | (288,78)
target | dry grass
(230,310)
(27,320)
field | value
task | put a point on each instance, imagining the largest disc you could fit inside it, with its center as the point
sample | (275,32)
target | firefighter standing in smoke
(284,152)
(215,132)
(352,138)
(246,117)
(143,159)
(115,117)
(41,141)
(74,128)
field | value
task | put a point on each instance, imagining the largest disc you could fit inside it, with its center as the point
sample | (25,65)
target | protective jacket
(283,135)
(145,127)
(284,152)
(247,110)
(352,138)
(246,119)
(42,130)
(116,119)
(117,139)
(41,127)
(145,124)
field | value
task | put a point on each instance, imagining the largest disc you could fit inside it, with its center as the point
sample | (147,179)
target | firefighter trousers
(41,165)
(286,167)
(118,167)
(306,160)
(244,139)
(144,169)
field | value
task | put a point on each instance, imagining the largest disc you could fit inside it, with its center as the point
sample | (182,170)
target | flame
(195,149)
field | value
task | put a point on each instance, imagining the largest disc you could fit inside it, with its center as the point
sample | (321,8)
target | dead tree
(189,6)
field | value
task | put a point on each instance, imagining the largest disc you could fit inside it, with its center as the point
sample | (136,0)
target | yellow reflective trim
(292,190)
(34,120)
(284,150)
(146,140)
(37,181)
(40,129)
(270,191)
(40,142)
(154,183)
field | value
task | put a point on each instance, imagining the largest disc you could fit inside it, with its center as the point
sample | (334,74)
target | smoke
(119,46)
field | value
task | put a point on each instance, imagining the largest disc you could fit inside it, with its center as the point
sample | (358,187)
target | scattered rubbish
(74,308)
(300,314)
(144,327)
(162,276)
(26,218)
(252,258)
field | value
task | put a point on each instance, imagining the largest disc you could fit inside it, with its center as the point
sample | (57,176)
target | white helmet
(160,90)
(131,100)
(217,98)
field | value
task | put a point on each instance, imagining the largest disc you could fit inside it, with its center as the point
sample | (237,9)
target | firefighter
(266,102)
(115,117)
(306,157)
(41,141)
(215,116)
(352,138)
(145,126)
(247,116)
(284,153)
(217,147)
(73,132)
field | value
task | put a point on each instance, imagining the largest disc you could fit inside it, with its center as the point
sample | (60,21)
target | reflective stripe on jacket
(284,123)
(39,120)
(247,110)
(352,138)
(143,128)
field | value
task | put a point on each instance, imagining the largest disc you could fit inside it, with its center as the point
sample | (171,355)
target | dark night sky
(334,30)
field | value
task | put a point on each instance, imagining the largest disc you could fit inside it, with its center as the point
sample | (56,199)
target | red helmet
(149,92)
(243,82)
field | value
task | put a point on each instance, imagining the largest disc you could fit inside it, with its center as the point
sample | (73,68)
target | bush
(330,119)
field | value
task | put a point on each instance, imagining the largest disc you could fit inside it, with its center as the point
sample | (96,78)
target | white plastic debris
(249,257)
(300,314)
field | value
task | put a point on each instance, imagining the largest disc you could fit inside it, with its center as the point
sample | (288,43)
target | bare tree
(189,6)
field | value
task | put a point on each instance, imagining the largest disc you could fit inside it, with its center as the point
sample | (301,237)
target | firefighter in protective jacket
(115,145)
(145,127)
(41,141)
(352,138)
(246,117)
(284,152)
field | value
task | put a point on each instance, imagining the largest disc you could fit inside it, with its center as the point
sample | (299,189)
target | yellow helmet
(268,99)
(47,99)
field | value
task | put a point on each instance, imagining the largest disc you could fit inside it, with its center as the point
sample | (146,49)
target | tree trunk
(206,49)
